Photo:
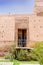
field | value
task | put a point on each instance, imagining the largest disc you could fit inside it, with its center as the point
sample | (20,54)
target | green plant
(38,52)
(33,55)
(10,54)
(23,55)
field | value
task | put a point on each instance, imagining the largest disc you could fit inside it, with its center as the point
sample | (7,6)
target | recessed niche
(2,36)
(39,20)
(34,26)
(40,26)
(2,26)
(37,35)
(40,14)
(34,20)
(3,30)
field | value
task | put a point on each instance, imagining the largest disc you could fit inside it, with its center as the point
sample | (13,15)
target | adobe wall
(38,6)
(9,25)
(7,29)
(36,28)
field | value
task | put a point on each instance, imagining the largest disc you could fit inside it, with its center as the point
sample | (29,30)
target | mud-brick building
(22,29)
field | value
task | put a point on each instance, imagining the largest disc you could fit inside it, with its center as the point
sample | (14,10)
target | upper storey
(38,0)
(38,7)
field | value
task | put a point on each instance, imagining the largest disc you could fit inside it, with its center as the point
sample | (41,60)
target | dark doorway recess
(22,37)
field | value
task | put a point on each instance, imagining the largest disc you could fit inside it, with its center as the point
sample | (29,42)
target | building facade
(22,29)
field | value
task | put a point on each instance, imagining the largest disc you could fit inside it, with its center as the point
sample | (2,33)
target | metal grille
(22,42)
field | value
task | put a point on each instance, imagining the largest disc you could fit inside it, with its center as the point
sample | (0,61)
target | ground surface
(16,62)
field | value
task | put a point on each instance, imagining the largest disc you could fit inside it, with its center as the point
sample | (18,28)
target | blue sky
(16,6)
